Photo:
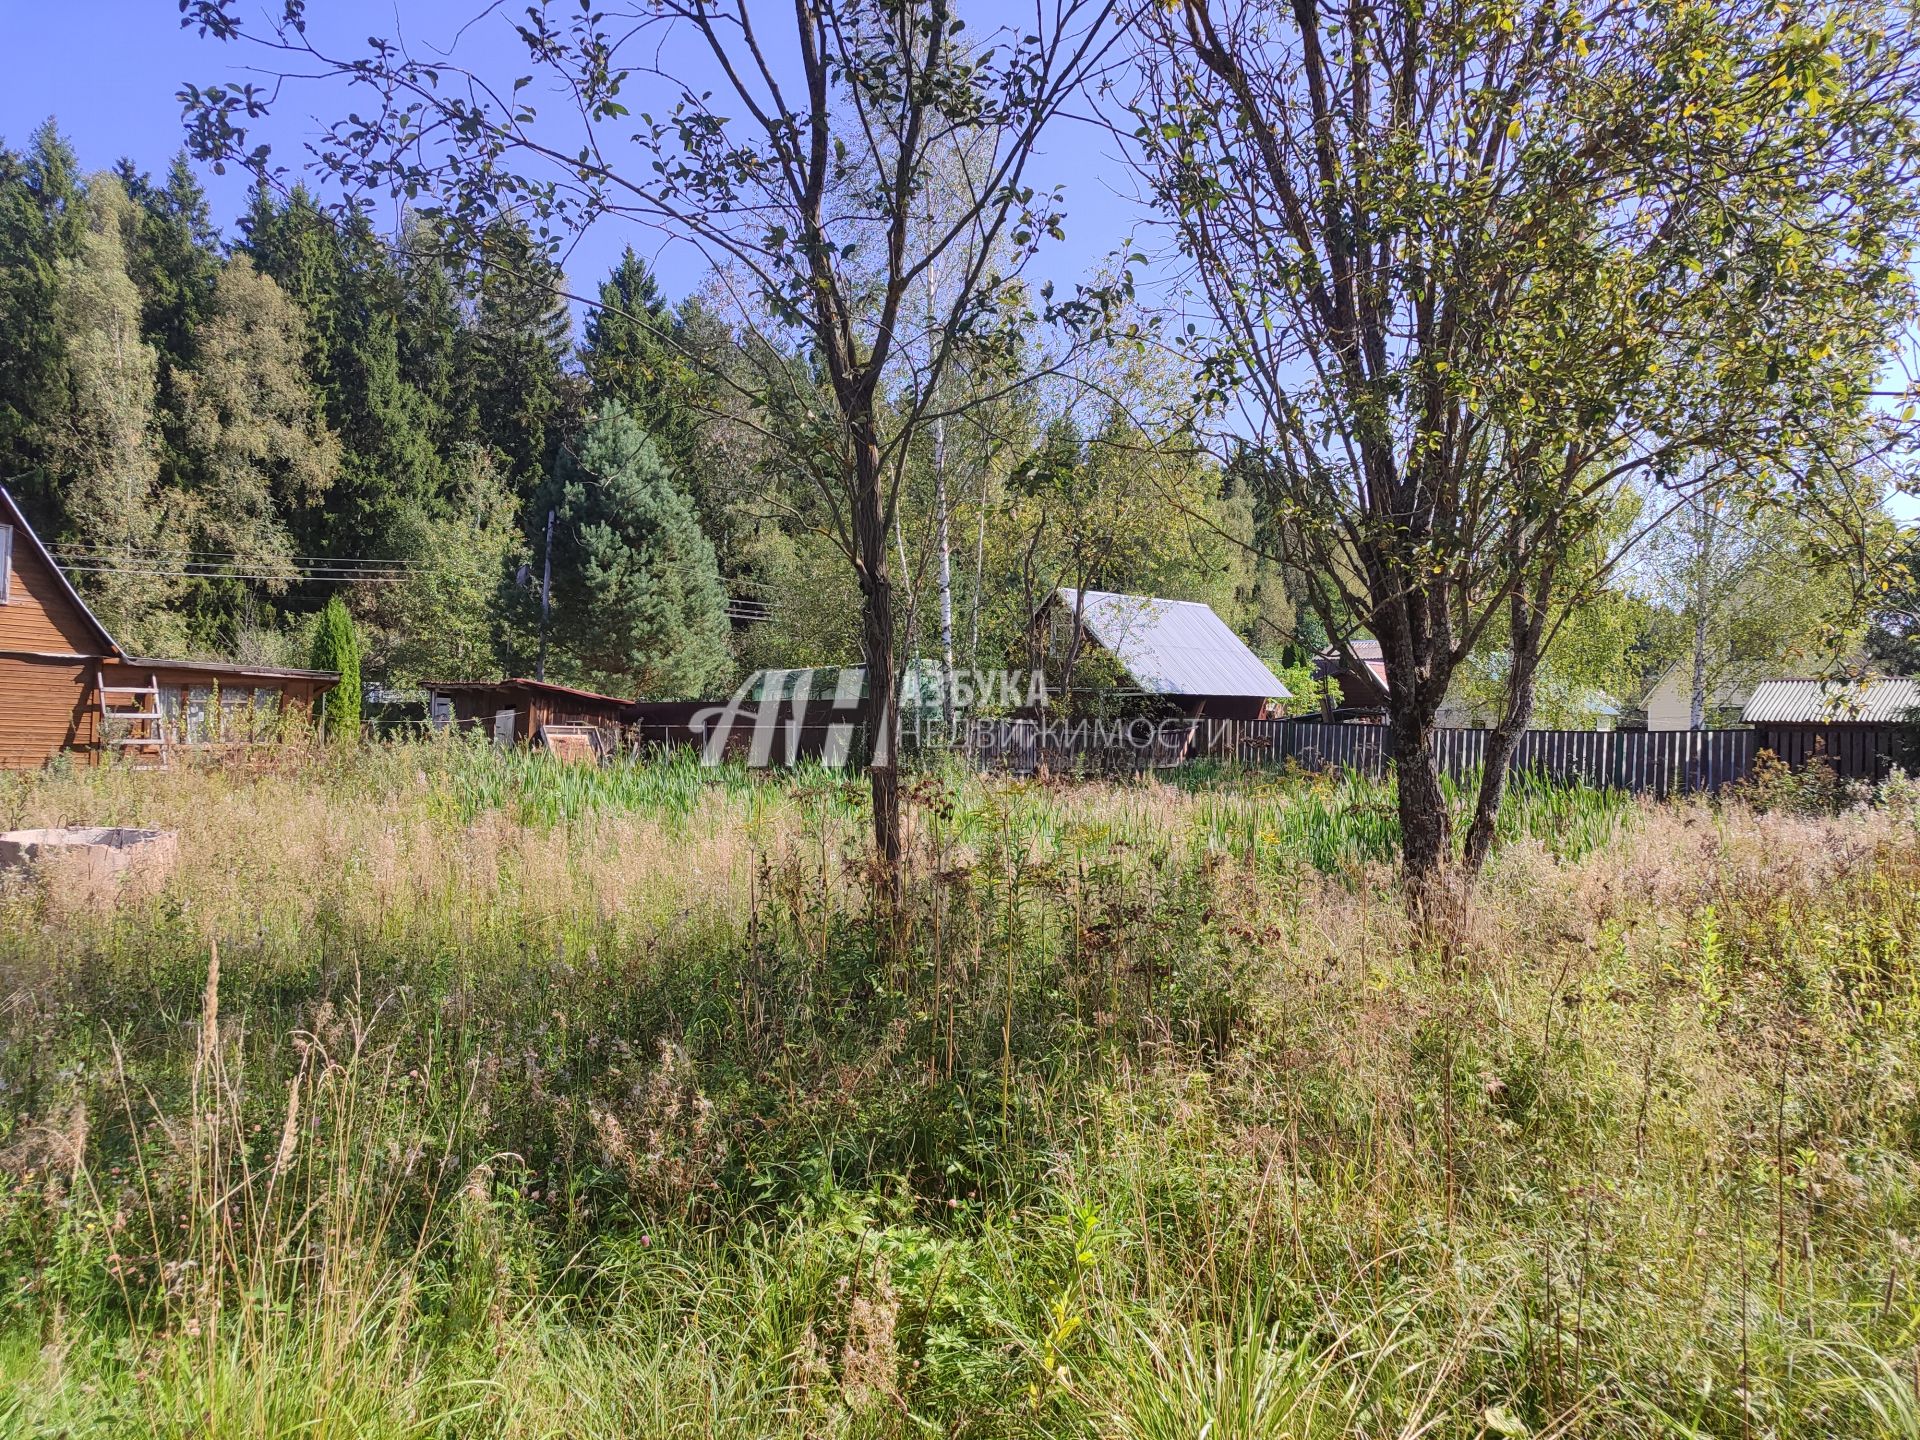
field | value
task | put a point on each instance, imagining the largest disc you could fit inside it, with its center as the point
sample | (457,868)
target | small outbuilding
(1177,651)
(1863,728)
(520,710)
(66,685)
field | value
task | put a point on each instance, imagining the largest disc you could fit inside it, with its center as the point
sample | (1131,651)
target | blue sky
(121,102)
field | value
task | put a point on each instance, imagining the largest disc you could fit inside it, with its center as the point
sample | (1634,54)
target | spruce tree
(512,354)
(634,353)
(336,647)
(342,276)
(638,605)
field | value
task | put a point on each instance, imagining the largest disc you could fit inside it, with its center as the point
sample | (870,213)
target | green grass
(530,1100)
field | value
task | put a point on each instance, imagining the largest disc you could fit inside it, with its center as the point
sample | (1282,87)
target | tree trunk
(1425,827)
(1418,668)
(943,541)
(881,711)
(1697,704)
(1702,581)
(1526,630)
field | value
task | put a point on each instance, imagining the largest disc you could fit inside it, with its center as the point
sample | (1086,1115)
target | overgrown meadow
(441,1092)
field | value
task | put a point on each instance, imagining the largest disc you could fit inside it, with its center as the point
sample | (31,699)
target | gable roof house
(1177,651)
(67,685)
(1360,672)
(1669,703)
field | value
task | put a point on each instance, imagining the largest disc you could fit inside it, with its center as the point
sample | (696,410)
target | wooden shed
(67,685)
(517,710)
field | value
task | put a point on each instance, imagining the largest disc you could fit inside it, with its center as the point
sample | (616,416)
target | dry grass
(517,1104)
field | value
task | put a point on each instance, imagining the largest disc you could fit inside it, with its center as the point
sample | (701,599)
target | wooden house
(1863,728)
(67,685)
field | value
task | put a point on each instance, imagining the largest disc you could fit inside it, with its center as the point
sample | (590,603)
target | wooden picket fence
(1657,762)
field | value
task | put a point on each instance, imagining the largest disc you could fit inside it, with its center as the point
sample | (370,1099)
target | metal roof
(1172,647)
(1832,702)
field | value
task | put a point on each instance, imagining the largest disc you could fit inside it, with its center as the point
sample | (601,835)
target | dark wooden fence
(1659,762)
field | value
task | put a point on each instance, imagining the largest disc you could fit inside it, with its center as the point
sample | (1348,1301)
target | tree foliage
(636,592)
(336,647)
(1476,270)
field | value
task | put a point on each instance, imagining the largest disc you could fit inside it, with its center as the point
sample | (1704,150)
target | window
(6,563)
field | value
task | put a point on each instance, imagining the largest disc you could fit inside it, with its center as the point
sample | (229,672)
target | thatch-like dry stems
(442,1092)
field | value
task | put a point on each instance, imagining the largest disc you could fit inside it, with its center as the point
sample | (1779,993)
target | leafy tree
(443,621)
(1754,592)
(43,224)
(97,436)
(637,601)
(1477,270)
(257,450)
(1893,641)
(336,647)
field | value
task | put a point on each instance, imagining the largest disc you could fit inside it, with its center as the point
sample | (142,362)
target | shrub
(336,647)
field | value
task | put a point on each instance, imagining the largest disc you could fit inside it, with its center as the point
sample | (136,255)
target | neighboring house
(67,685)
(1670,702)
(1360,672)
(517,710)
(1177,652)
(1887,701)
(1863,728)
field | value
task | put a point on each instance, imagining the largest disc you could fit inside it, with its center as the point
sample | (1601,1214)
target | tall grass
(442,1092)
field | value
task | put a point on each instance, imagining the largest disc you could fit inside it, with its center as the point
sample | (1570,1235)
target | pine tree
(638,604)
(336,647)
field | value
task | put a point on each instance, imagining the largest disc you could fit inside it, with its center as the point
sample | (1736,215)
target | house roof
(236,668)
(12,514)
(531,687)
(1172,647)
(1832,702)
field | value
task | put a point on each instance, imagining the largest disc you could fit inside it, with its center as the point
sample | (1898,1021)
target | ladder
(132,722)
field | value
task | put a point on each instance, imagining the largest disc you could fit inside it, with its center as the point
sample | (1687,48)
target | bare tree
(799,156)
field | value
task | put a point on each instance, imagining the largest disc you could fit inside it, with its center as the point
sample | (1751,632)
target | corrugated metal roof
(1173,647)
(1831,702)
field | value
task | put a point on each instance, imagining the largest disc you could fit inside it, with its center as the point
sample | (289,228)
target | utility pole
(546,596)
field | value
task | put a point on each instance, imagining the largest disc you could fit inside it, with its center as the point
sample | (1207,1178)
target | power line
(87,559)
(225,557)
(351,577)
